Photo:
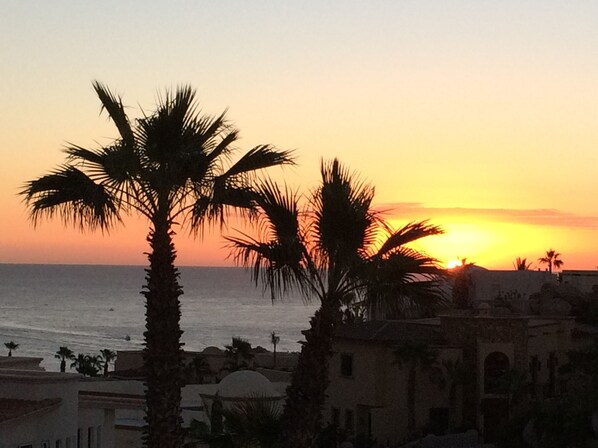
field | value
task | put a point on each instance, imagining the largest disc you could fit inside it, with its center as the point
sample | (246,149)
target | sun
(454,264)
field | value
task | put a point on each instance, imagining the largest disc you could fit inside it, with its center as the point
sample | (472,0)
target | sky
(479,116)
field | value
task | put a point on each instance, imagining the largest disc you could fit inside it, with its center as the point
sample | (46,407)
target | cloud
(537,217)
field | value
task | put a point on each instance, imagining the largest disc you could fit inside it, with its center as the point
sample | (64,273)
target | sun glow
(454,264)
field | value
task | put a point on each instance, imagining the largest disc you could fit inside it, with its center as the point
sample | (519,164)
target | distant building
(367,392)
(585,281)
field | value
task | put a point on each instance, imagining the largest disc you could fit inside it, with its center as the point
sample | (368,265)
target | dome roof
(211,350)
(246,383)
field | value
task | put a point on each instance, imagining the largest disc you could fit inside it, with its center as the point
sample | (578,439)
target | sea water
(88,308)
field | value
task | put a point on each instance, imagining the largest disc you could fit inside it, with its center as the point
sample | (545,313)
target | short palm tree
(107,356)
(521,264)
(328,252)
(551,259)
(170,166)
(239,354)
(412,356)
(11,346)
(63,354)
(87,365)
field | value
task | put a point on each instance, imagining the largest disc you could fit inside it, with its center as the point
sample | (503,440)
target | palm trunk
(302,416)
(63,365)
(162,353)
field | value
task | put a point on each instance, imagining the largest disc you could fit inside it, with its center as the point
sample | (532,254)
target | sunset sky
(480,116)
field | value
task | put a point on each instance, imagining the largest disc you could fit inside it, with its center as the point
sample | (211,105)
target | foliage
(106,357)
(330,250)
(173,167)
(239,354)
(551,259)
(521,264)
(64,354)
(87,365)
(197,369)
(462,283)
(11,346)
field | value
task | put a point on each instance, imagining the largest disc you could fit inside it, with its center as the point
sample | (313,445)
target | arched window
(496,365)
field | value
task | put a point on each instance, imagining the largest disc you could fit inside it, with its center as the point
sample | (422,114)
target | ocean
(88,308)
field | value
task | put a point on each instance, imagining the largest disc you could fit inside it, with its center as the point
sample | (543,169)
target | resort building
(479,360)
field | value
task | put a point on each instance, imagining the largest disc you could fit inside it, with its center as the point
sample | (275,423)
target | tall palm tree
(11,346)
(328,252)
(63,354)
(274,340)
(551,259)
(87,365)
(107,356)
(170,166)
(413,356)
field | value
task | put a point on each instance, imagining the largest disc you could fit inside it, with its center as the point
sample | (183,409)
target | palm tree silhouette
(107,356)
(327,252)
(412,356)
(63,354)
(551,259)
(170,166)
(521,264)
(274,340)
(11,346)
(239,354)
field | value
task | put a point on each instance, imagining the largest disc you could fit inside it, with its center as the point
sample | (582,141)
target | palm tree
(329,252)
(239,354)
(63,354)
(551,259)
(274,340)
(413,355)
(107,356)
(11,346)
(458,375)
(87,365)
(521,264)
(197,369)
(171,167)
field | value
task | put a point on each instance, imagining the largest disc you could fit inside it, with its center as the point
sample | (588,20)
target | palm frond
(260,157)
(409,233)
(112,104)
(71,194)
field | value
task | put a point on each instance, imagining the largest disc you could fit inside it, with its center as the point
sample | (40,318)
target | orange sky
(481,117)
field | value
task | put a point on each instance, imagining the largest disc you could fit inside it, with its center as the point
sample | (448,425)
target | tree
(11,346)
(87,365)
(327,252)
(521,264)
(551,259)
(197,369)
(239,354)
(413,355)
(274,340)
(458,375)
(63,354)
(106,357)
(170,166)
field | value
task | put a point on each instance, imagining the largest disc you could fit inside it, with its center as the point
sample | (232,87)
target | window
(79,438)
(349,420)
(69,443)
(45,444)
(346,365)
(58,444)
(496,365)
(99,437)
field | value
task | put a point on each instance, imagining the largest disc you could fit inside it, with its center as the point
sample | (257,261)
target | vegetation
(63,354)
(11,346)
(330,251)
(239,354)
(521,264)
(87,365)
(106,357)
(169,166)
(551,259)
(412,355)
(274,340)
(197,369)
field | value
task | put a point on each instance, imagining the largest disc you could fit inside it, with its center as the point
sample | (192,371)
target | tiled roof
(12,408)
(390,332)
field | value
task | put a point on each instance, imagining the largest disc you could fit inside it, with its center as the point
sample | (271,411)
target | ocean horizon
(89,307)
